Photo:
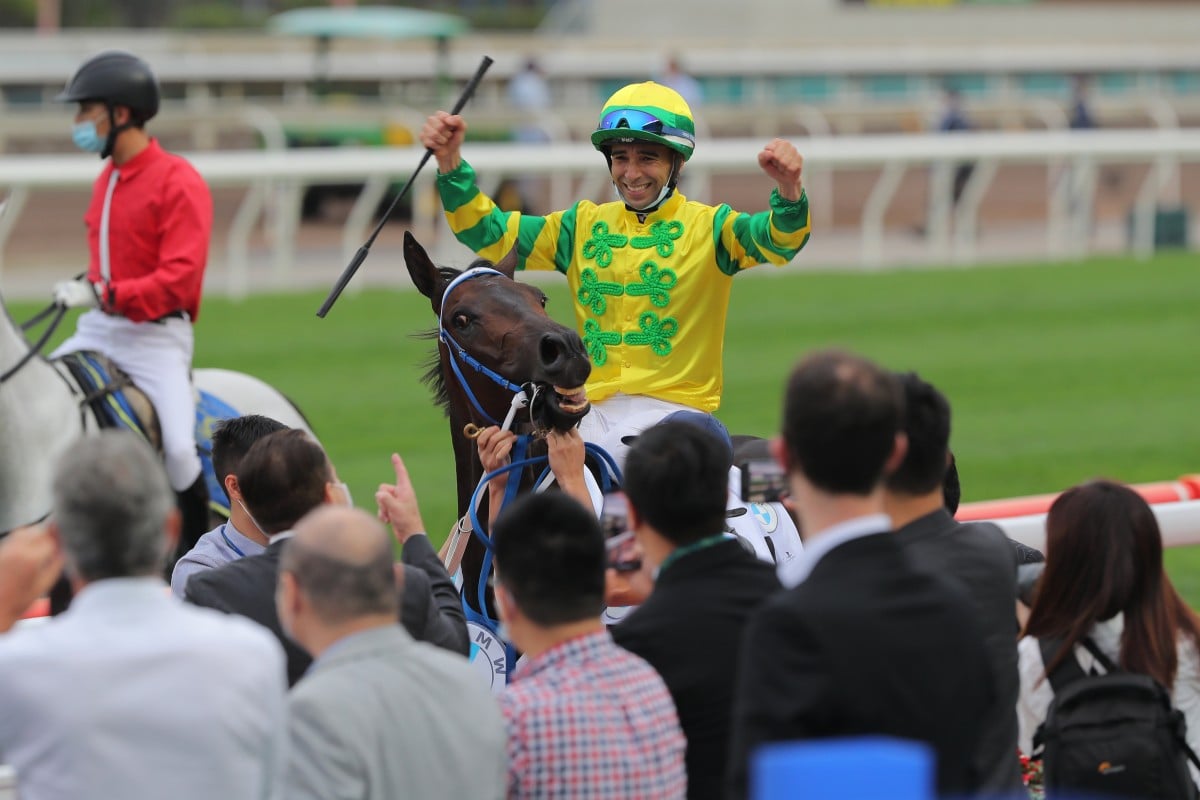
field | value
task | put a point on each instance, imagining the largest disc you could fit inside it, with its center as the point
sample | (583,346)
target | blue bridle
(610,474)
(457,352)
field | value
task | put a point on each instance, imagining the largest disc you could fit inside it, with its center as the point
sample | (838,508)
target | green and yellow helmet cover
(648,112)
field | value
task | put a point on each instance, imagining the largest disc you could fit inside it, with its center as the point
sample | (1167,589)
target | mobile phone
(763,481)
(619,542)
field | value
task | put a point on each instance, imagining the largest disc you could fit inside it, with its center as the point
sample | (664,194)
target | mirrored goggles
(636,120)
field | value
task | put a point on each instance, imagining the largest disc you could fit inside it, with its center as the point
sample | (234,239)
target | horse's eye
(543,300)
(461,321)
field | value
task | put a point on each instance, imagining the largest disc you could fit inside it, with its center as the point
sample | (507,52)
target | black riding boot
(193,507)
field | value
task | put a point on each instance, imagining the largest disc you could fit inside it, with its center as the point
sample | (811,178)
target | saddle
(112,396)
(117,402)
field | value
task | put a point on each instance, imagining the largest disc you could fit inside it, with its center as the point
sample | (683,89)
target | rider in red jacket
(148,228)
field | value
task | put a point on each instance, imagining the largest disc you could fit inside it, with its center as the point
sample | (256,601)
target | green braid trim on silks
(662,237)
(655,332)
(597,341)
(592,290)
(656,284)
(600,246)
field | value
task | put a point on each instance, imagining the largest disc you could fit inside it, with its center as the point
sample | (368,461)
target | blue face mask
(86,138)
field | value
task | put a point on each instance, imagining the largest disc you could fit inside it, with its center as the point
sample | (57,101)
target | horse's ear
(425,275)
(508,264)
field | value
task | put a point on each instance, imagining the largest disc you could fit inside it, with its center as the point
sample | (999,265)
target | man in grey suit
(130,693)
(977,555)
(379,715)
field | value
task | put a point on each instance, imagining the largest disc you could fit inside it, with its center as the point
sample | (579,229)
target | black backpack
(1111,735)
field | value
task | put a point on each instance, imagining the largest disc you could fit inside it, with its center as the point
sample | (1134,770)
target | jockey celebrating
(148,228)
(651,273)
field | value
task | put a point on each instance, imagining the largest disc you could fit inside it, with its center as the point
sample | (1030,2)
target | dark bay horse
(495,342)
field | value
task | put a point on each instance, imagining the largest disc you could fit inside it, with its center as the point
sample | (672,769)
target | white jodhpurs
(158,357)
(622,415)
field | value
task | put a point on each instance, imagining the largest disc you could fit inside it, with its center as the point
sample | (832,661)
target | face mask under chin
(86,138)
(663,194)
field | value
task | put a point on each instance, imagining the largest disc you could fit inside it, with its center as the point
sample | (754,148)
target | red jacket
(160,220)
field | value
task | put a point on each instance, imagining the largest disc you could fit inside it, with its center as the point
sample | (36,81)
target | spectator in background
(1081,112)
(954,119)
(865,642)
(282,477)
(379,716)
(977,555)
(690,629)
(239,537)
(1104,581)
(529,96)
(586,719)
(529,91)
(130,693)
(675,77)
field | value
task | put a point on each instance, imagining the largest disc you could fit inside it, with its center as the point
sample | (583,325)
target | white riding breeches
(764,527)
(622,415)
(158,357)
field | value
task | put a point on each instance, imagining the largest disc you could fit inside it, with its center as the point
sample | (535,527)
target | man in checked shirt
(148,227)
(586,719)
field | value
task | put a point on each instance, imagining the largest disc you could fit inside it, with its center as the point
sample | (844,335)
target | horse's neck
(39,418)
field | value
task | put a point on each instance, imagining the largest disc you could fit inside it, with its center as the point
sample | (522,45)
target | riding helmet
(118,79)
(648,112)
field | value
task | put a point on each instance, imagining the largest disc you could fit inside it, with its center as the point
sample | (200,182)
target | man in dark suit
(977,555)
(706,585)
(282,477)
(864,643)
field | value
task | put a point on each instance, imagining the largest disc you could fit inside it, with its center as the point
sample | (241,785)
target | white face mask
(662,195)
(345,490)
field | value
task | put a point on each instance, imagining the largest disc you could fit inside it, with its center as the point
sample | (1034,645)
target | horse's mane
(434,378)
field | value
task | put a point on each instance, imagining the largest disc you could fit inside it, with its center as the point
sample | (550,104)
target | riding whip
(361,255)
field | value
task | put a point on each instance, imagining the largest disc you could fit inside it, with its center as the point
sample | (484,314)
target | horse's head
(502,324)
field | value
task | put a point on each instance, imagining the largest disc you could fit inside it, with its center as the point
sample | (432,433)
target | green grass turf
(1056,373)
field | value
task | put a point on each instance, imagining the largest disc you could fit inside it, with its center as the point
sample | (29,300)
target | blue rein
(608,479)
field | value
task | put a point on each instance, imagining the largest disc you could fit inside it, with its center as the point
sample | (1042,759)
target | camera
(619,542)
(763,481)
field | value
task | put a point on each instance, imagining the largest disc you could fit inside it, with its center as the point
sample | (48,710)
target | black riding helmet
(115,78)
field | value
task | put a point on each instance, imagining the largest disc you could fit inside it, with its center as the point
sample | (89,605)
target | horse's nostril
(550,349)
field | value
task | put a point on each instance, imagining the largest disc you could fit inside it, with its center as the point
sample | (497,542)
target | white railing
(1179,523)
(575,170)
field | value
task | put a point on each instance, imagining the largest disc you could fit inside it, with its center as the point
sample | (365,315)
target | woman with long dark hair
(1104,580)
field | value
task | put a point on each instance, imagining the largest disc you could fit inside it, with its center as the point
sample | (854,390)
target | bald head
(341,559)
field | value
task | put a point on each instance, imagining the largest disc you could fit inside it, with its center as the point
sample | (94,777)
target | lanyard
(680,552)
(232,546)
(105,262)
